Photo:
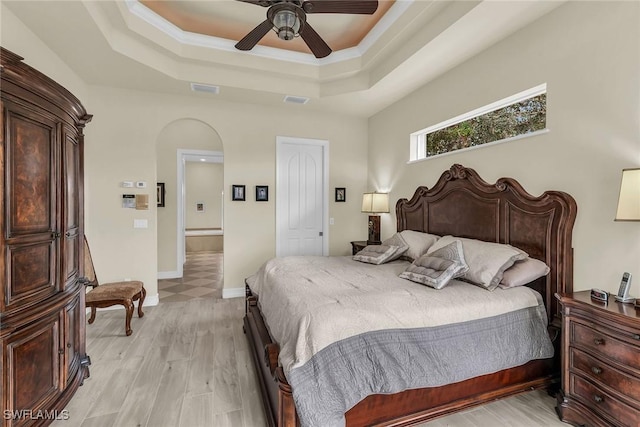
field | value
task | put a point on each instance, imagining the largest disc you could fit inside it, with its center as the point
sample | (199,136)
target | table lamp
(629,199)
(375,203)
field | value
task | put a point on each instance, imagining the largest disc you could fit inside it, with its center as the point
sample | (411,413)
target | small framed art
(341,194)
(160,194)
(262,193)
(237,193)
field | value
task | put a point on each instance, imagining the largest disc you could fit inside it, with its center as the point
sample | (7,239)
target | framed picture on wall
(160,194)
(341,194)
(237,192)
(262,193)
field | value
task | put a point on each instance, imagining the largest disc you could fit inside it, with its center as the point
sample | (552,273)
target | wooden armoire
(42,314)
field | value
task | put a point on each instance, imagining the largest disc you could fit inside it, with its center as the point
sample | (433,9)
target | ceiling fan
(288,18)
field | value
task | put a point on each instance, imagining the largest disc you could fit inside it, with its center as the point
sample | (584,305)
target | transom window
(522,114)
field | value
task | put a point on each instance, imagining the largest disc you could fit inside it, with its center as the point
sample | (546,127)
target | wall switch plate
(127,184)
(140,223)
(331,221)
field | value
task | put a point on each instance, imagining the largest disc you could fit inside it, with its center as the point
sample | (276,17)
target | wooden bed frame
(464,205)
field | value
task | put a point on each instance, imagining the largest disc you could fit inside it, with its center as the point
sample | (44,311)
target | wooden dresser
(600,362)
(42,306)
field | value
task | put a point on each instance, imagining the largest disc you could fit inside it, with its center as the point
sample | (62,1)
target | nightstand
(357,246)
(600,362)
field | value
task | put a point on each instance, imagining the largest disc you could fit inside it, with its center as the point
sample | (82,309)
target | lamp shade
(629,200)
(375,202)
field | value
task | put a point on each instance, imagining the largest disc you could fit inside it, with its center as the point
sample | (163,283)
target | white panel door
(300,206)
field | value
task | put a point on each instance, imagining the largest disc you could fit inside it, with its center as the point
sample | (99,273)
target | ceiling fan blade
(263,3)
(254,36)
(318,46)
(362,7)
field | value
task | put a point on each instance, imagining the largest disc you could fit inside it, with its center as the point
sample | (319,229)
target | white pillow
(418,242)
(523,272)
(439,267)
(396,240)
(487,261)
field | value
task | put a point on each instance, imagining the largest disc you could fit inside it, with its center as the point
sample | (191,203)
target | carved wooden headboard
(463,204)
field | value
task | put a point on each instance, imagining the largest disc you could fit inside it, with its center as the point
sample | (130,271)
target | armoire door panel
(31,272)
(30,173)
(71,338)
(33,364)
(70,257)
(71,170)
(71,209)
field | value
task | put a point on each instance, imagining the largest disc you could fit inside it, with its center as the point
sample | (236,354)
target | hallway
(202,278)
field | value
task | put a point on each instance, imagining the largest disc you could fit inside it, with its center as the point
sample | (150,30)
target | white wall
(129,147)
(589,55)
(19,39)
(203,183)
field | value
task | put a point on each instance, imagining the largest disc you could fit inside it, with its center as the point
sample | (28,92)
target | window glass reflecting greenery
(516,119)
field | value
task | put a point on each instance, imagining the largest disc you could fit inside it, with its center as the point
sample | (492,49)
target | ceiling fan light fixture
(286,24)
(288,19)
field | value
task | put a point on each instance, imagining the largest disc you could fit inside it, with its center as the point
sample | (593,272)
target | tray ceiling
(232,20)
(164,46)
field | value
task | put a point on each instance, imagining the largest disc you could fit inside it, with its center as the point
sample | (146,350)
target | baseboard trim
(169,274)
(152,300)
(233,293)
(149,301)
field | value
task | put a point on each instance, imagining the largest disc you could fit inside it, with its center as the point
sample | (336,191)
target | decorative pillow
(523,272)
(379,254)
(487,261)
(439,267)
(396,240)
(418,242)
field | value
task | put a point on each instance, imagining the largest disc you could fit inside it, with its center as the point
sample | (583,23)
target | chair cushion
(114,291)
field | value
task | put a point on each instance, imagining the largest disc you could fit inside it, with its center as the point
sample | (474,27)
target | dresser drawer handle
(598,341)
(596,370)
(597,398)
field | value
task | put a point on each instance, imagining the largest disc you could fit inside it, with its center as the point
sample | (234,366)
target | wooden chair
(108,294)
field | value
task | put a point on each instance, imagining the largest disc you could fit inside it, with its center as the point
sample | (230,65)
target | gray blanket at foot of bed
(389,361)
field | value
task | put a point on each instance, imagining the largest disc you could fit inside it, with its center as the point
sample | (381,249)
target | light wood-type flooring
(201,278)
(187,363)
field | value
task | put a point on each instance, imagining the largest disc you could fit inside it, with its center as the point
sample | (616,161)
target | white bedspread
(311,302)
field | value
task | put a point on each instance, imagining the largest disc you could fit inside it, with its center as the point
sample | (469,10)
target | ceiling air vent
(199,87)
(296,99)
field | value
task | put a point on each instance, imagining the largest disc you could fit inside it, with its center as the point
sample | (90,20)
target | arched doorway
(189,159)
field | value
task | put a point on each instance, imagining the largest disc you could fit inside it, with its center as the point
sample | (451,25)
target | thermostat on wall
(141,184)
(127,184)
